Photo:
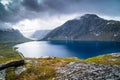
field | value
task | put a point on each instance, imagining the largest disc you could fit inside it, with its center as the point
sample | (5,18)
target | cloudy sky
(31,15)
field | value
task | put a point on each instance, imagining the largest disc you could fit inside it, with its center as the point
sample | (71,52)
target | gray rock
(19,70)
(89,71)
(2,74)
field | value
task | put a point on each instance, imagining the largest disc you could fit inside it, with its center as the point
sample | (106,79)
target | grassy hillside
(12,36)
(7,53)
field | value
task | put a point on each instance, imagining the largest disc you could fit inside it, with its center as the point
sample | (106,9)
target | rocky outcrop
(12,64)
(19,70)
(2,74)
(89,71)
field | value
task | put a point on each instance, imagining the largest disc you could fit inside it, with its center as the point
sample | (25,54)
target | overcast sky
(31,15)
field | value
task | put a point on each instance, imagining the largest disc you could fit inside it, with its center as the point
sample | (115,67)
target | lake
(81,49)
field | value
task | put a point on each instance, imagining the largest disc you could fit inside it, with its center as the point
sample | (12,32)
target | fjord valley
(39,34)
(72,38)
(72,47)
(59,40)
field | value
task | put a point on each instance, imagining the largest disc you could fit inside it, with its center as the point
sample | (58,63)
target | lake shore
(80,49)
(52,68)
(56,68)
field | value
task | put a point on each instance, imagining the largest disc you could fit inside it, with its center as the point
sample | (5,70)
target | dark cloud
(51,6)
(3,13)
(32,5)
(108,7)
(9,12)
(18,10)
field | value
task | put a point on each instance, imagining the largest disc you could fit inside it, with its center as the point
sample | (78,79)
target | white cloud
(110,17)
(4,26)
(5,2)
(30,26)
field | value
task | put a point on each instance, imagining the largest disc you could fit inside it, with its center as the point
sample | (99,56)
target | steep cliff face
(11,35)
(88,27)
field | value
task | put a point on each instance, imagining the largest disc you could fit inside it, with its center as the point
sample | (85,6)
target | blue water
(81,49)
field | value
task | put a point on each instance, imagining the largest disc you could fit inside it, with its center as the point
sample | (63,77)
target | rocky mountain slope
(88,27)
(11,35)
(40,34)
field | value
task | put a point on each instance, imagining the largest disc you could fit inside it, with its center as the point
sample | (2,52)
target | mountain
(40,34)
(88,27)
(11,35)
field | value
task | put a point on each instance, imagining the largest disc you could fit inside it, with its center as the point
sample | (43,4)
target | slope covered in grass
(7,53)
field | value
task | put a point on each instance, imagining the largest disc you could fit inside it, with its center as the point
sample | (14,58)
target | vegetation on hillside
(7,53)
(41,68)
(105,59)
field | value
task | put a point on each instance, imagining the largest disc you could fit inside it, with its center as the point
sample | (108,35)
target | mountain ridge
(39,34)
(12,35)
(88,27)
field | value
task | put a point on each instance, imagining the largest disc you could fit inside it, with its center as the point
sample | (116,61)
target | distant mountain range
(40,34)
(88,27)
(11,35)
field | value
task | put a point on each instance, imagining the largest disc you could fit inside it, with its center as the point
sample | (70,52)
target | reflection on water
(67,49)
(38,49)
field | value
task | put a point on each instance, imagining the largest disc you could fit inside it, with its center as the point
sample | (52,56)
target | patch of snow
(96,34)
(115,35)
(108,22)
(77,18)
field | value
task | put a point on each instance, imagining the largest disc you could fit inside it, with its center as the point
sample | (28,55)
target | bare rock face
(88,27)
(89,71)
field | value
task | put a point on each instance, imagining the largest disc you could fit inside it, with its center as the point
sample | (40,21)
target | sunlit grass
(42,69)
(105,59)
(8,54)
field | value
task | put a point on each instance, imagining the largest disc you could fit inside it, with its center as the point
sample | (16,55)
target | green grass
(41,69)
(105,59)
(7,53)
(11,74)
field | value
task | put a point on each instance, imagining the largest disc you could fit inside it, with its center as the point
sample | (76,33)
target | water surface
(81,49)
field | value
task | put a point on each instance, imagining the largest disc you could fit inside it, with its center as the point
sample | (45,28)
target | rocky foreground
(104,67)
(89,71)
